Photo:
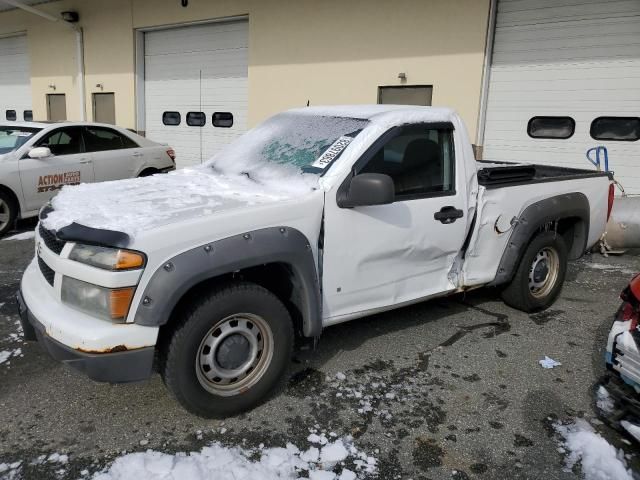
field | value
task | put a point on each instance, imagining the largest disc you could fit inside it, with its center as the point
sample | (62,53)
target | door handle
(448,214)
(137,154)
(84,162)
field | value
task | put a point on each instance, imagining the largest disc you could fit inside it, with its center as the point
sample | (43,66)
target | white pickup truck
(315,217)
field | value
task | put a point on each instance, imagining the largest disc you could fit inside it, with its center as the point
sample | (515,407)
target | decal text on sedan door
(49,183)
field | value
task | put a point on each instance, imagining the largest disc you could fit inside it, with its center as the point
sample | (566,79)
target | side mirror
(40,152)
(368,189)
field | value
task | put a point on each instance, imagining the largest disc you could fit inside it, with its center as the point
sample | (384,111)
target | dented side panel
(500,210)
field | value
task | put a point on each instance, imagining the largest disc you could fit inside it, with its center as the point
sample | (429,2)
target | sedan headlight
(107,258)
(107,303)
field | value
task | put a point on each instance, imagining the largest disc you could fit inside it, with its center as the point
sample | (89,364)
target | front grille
(46,271)
(50,240)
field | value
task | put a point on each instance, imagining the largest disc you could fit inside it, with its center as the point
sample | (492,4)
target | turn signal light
(120,302)
(172,154)
(127,259)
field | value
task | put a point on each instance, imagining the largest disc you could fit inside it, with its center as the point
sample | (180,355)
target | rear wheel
(8,212)
(228,351)
(540,275)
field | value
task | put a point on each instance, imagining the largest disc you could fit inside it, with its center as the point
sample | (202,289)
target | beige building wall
(335,51)
(323,52)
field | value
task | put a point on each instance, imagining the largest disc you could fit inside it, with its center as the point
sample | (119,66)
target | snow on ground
(22,236)
(5,355)
(336,460)
(604,401)
(632,428)
(597,458)
(610,268)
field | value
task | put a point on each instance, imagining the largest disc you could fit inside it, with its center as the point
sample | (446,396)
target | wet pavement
(445,389)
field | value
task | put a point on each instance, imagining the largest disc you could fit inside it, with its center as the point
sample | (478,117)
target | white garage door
(15,79)
(566,58)
(192,73)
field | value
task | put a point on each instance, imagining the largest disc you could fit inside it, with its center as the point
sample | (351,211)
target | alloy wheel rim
(234,354)
(543,273)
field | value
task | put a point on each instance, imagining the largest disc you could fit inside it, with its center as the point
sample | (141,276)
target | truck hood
(139,205)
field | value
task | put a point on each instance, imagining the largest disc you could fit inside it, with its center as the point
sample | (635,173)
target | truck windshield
(12,138)
(303,142)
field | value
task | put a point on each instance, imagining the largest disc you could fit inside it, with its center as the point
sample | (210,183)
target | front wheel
(229,351)
(540,274)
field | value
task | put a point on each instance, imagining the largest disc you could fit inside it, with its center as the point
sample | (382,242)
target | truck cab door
(384,255)
(68,164)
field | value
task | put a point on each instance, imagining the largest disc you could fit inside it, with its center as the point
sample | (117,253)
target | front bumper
(113,367)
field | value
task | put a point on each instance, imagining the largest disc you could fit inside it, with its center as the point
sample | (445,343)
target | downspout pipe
(486,72)
(79,48)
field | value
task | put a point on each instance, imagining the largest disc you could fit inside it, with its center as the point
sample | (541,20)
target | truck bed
(506,174)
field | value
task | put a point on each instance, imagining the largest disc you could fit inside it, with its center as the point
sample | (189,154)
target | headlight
(107,258)
(108,303)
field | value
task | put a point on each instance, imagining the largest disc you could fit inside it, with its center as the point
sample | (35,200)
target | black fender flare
(172,280)
(535,216)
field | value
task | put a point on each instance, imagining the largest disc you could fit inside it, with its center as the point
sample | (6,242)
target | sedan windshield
(295,142)
(12,138)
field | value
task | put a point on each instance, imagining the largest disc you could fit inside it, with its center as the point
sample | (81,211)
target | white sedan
(38,159)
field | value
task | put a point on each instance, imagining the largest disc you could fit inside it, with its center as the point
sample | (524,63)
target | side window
(551,127)
(196,119)
(28,115)
(64,141)
(171,118)
(616,128)
(99,139)
(11,115)
(419,160)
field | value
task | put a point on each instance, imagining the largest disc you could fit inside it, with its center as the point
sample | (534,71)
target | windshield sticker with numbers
(332,152)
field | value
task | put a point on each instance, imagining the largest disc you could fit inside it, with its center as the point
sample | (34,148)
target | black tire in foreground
(540,274)
(228,351)
(8,212)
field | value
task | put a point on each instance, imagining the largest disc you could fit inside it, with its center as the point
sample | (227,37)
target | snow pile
(22,236)
(604,401)
(137,204)
(10,471)
(632,428)
(548,362)
(217,462)
(598,459)
(5,355)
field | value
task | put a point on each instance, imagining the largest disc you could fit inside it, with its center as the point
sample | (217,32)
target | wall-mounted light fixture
(100,86)
(71,17)
(402,76)
(52,86)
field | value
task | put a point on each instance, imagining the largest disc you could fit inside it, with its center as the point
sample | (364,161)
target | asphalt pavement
(445,389)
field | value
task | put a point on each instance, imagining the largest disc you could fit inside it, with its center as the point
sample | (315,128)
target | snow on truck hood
(238,176)
(135,205)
